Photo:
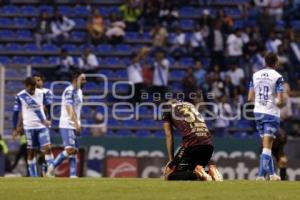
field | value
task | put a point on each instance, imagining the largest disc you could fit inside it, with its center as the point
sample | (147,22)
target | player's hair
(29,81)
(38,75)
(76,74)
(271,59)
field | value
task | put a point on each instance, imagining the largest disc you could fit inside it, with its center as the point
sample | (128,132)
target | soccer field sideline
(136,189)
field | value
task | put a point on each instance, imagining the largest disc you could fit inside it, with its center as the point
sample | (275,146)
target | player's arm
(251,93)
(70,110)
(169,140)
(280,101)
(15,117)
(48,99)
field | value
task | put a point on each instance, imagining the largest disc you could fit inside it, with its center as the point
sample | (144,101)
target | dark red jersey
(189,122)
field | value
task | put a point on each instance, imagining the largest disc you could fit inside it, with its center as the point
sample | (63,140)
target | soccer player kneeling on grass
(69,124)
(196,149)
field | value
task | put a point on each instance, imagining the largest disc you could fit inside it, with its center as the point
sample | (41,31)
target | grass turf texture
(142,189)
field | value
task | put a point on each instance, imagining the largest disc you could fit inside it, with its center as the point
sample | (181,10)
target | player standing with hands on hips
(266,91)
(69,123)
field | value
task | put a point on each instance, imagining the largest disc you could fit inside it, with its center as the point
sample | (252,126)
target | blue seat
(24,34)
(50,48)
(186,61)
(5,34)
(20,60)
(30,47)
(106,72)
(112,122)
(122,88)
(177,74)
(53,60)
(104,48)
(14,47)
(186,24)
(187,12)
(111,61)
(32,10)
(4,60)
(124,48)
(65,10)
(49,9)
(143,133)
(78,35)
(132,35)
(238,24)
(81,11)
(80,23)
(70,47)
(38,60)
(9,9)
(121,73)
(104,11)
(5,22)
(123,133)
(21,22)
(295,24)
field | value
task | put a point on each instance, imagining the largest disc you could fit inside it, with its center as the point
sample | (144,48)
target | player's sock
(32,167)
(264,162)
(60,158)
(73,165)
(271,167)
(283,174)
(49,159)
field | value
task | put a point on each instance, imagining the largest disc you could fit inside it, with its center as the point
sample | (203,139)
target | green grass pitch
(143,189)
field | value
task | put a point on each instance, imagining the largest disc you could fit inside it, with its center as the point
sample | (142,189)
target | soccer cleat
(50,171)
(201,174)
(73,176)
(260,178)
(214,173)
(275,178)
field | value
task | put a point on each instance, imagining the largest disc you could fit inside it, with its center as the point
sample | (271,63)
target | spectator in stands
(150,13)
(61,26)
(226,20)
(168,13)
(160,35)
(266,23)
(116,30)
(131,13)
(291,10)
(223,111)
(88,61)
(99,128)
(273,43)
(43,29)
(276,8)
(237,75)
(200,73)
(65,65)
(197,43)
(135,74)
(295,54)
(257,61)
(217,87)
(235,47)
(262,3)
(216,43)
(252,47)
(88,3)
(96,27)
(179,44)
(161,67)
(189,85)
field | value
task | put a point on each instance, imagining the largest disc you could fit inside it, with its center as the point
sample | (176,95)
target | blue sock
(60,158)
(271,167)
(49,159)
(32,168)
(73,165)
(265,159)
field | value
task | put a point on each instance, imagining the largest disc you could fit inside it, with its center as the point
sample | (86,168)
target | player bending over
(31,102)
(266,91)
(196,149)
(69,123)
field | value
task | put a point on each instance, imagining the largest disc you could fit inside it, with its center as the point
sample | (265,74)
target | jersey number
(263,93)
